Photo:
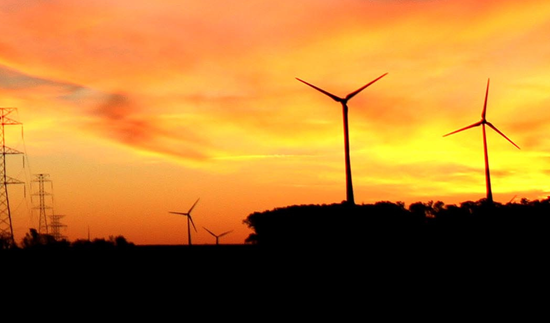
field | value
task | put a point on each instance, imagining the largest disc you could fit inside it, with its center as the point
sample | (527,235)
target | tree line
(420,225)
(34,240)
(431,224)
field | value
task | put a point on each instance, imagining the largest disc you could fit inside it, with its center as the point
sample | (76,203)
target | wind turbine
(344,101)
(189,220)
(217,235)
(482,123)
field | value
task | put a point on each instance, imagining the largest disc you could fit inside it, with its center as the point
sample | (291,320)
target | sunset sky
(138,108)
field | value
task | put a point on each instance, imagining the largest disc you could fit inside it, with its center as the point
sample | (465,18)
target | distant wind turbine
(482,123)
(189,220)
(344,101)
(218,235)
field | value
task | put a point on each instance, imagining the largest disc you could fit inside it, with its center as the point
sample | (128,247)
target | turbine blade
(334,97)
(212,233)
(485,104)
(193,205)
(222,234)
(180,213)
(468,127)
(495,129)
(352,94)
(191,219)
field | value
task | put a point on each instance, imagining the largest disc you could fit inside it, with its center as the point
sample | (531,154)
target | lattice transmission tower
(6,227)
(45,207)
(56,225)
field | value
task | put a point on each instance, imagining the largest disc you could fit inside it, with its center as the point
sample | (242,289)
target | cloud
(118,118)
(13,80)
(193,80)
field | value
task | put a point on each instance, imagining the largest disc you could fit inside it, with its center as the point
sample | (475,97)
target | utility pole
(6,227)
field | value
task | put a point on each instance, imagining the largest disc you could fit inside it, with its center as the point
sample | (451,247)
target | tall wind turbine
(482,123)
(344,102)
(217,235)
(189,220)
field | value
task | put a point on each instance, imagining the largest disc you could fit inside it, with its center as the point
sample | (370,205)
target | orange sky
(137,108)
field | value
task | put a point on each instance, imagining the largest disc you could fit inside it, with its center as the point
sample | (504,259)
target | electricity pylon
(55,226)
(6,227)
(46,209)
(42,206)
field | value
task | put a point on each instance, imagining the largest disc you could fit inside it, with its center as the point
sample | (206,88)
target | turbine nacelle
(343,101)
(348,97)
(189,218)
(217,236)
(484,121)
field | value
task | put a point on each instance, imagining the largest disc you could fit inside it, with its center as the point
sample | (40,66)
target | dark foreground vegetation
(425,256)
(393,225)
(391,232)
(423,237)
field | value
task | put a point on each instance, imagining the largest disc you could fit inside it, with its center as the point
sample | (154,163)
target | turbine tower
(6,228)
(482,123)
(189,221)
(344,101)
(218,236)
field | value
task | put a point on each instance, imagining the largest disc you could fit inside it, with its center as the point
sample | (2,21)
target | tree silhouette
(35,240)
(391,225)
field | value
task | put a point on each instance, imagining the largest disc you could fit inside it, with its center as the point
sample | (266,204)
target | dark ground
(307,283)
(403,258)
